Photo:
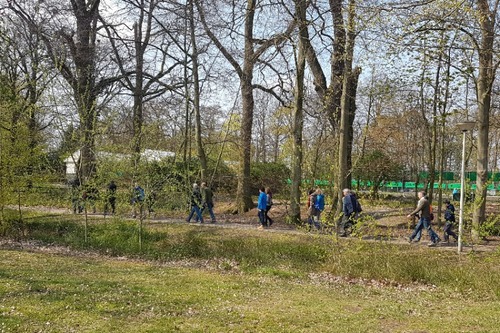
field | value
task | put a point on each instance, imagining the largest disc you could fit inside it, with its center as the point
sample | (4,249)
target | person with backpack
(424,208)
(319,205)
(350,207)
(449,216)
(196,204)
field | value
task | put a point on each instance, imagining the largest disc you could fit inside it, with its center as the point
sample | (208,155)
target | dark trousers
(448,232)
(210,207)
(262,217)
(345,224)
(269,221)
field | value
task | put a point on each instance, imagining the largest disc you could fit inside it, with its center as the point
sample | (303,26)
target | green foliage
(491,226)
(273,175)
(376,167)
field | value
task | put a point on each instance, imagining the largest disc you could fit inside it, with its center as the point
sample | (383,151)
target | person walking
(196,201)
(320,207)
(208,201)
(111,198)
(138,197)
(262,206)
(348,210)
(269,204)
(311,208)
(449,216)
(76,197)
(424,208)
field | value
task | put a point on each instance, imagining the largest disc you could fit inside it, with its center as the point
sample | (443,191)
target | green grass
(190,278)
(43,292)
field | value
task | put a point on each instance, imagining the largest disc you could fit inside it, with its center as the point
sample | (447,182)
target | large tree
(253,48)
(70,36)
(338,96)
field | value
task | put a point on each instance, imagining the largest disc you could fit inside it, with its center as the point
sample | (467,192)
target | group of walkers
(201,200)
(86,198)
(264,204)
(424,214)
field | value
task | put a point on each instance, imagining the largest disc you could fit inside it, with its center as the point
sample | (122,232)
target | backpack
(320,202)
(356,206)
(140,193)
(431,215)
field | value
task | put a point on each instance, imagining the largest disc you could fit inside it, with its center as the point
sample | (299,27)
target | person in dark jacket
(349,209)
(207,201)
(111,198)
(449,216)
(196,204)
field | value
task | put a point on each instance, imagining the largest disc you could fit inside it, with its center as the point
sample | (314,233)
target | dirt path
(387,224)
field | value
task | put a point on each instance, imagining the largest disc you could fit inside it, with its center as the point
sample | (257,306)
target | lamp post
(464,127)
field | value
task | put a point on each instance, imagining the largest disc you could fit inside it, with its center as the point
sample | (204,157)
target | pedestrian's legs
(316,220)
(345,224)
(269,221)
(196,218)
(210,208)
(191,213)
(112,202)
(262,217)
(432,235)
(417,232)
(446,229)
(198,214)
(449,232)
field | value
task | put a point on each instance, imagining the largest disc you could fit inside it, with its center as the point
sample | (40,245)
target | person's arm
(420,205)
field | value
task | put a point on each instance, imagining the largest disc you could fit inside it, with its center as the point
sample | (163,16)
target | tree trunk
(484,87)
(347,106)
(243,194)
(137,117)
(196,96)
(298,121)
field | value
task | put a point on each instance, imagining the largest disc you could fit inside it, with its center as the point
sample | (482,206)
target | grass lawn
(53,292)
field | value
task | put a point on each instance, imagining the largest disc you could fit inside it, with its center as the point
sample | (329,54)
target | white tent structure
(148,155)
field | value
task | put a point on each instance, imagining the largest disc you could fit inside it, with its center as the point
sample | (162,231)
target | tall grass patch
(275,253)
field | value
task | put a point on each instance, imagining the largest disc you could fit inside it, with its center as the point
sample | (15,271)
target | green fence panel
(409,184)
(448,175)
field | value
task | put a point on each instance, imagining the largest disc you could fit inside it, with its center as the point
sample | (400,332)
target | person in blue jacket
(320,207)
(262,206)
